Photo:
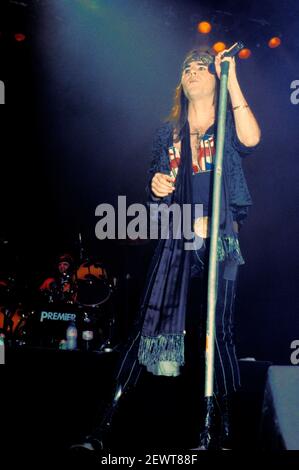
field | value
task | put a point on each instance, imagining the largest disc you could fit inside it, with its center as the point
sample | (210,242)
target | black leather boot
(226,436)
(96,442)
(209,437)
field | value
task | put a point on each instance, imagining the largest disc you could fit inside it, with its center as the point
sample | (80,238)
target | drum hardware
(66,288)
(92,286)
(107,345)
(88,333)
(13,324)
(82,294)
(48,324)
(5,322)
(81,248)
(61,290)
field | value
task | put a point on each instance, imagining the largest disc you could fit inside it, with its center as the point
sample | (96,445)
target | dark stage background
(85,91)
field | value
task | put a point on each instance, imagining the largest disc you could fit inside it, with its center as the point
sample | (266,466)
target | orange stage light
(219,47)
(274,42)
(244,53)
(204,27)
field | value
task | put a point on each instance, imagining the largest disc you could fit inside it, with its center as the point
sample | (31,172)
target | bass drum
(93,288)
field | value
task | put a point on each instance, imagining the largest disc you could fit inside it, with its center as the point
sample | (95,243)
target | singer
(186,145)
(169,333)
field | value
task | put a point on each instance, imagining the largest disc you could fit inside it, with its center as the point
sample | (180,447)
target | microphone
(231,52)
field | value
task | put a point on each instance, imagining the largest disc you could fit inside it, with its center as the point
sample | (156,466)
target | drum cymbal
(98,264)
(89,262)
(92,264)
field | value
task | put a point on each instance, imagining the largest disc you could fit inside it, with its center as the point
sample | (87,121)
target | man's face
(197,81)
(63,266)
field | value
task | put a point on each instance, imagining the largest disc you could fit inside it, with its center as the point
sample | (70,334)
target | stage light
(19,37)
(244,54)
(219,47)
(204,27)
(274,42)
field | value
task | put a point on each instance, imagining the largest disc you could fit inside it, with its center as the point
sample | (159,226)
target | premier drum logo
(57,316)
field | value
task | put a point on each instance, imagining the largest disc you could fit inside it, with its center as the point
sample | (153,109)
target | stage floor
(51,399)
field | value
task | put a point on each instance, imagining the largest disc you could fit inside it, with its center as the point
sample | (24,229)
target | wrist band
(240,106)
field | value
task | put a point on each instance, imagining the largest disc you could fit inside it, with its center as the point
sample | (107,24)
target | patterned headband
(196,56)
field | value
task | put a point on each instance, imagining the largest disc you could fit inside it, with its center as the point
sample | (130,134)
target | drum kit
(83,297)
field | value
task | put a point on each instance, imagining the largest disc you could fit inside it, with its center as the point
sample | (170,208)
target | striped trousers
(227,375)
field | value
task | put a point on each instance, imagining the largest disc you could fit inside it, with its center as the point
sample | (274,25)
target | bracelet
(241,106)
